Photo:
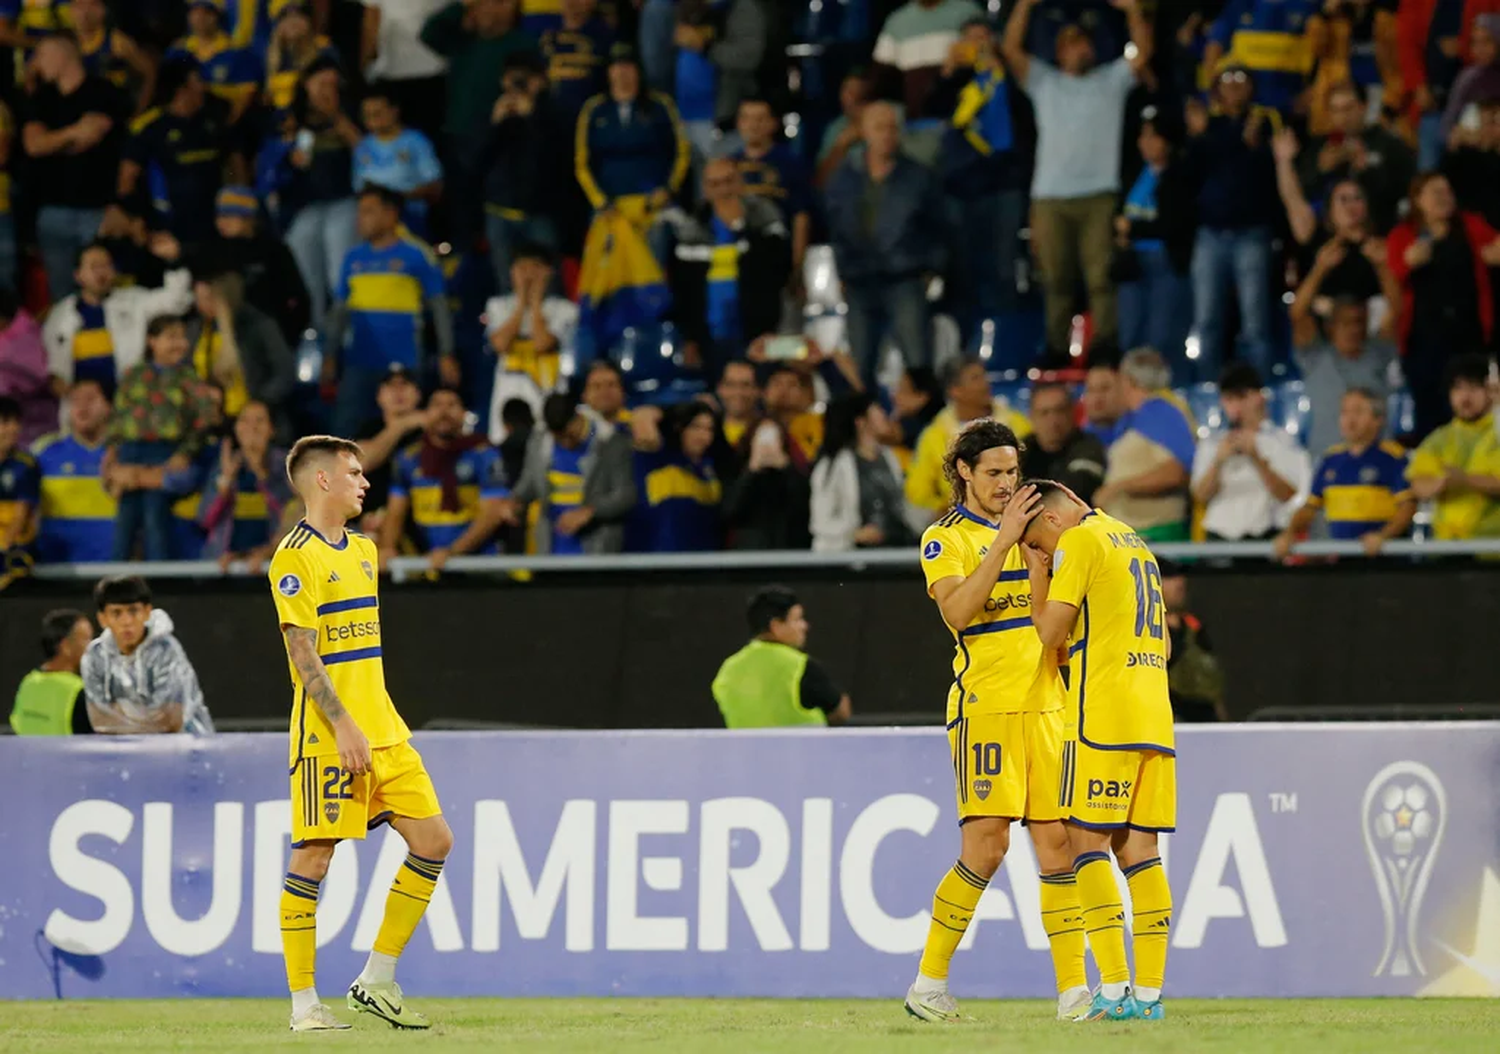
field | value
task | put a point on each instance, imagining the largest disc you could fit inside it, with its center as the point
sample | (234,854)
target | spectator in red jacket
(1441,257)
(1432,45)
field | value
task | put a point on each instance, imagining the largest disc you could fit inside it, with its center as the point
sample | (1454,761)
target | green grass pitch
(703,1026)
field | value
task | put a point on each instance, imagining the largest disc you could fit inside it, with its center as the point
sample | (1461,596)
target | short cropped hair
(768,604)
(56,626)
(559,410)
(1377,403)
(1146,369)
(1471,367)
(1239,378)
(316,446)
(391,199)
(121,589)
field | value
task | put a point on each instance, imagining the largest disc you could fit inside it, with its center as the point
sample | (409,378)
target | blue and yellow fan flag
(620,283)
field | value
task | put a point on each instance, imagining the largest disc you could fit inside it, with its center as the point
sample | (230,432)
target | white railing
(407,567)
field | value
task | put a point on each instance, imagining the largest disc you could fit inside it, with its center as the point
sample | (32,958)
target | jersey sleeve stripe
(333,607)
(353,655)
(999,626)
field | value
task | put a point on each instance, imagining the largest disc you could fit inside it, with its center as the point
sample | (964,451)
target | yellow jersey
(999,666)
(1118,668)
(1473,447)
(332,589)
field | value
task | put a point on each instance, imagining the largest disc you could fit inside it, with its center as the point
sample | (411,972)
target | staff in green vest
(50,699)
(771,682)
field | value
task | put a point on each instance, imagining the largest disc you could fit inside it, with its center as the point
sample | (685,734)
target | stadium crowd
(732,273)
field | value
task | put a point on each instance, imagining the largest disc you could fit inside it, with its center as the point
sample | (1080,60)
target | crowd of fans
(220,217)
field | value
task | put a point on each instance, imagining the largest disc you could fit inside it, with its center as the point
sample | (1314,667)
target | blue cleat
(1104,1009)
(1153,1011)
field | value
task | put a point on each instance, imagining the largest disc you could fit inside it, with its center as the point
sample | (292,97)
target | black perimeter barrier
(638,650)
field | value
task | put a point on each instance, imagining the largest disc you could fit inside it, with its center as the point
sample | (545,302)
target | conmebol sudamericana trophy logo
(1402,818)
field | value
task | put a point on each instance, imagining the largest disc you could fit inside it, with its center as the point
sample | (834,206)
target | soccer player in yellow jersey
(1119,780)
(1005,715)
(352,766)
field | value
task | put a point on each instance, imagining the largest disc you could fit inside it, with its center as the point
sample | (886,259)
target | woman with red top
(1441,257)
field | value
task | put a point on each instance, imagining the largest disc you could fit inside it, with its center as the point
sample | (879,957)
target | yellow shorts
(328,802)
(1008,765)
(1109,789)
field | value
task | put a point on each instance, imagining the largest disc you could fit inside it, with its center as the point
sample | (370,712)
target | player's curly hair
(972,440)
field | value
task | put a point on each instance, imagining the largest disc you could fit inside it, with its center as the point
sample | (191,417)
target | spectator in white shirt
(530,332)
(99,332)
(1249,477)
(391,51)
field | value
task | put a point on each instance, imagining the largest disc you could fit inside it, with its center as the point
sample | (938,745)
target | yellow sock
(406,902)
(1151,920)
(952,908)
(1103,916)
(299,930)
(1062,918)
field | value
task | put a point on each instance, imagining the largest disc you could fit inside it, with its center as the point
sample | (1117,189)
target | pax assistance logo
(289,585)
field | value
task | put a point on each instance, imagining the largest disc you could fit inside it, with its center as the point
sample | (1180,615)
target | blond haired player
(352,766)
(1119,783)
(1005,715)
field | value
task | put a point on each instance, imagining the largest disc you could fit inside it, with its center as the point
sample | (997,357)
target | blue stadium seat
(1400,413)
(1291,409)
(1012,386)
(651,360)
(1009,342)
(1203,401)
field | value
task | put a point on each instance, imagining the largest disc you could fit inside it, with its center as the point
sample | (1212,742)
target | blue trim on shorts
(1095,826)
(378,819)
(1155,747)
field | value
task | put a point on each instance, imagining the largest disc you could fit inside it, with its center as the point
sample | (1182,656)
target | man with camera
(521,164)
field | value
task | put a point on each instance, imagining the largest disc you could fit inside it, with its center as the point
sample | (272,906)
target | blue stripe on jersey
(333,607)
(354,655)
(1020,574)
(997,627)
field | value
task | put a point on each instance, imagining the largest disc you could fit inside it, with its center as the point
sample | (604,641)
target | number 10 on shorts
(986,759)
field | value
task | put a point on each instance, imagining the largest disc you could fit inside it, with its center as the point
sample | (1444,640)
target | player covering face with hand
(1094,582)
(352,767)
(1005,715)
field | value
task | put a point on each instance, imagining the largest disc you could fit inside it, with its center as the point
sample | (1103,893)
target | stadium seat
(1203,401)
(651,360)
(1009,342)
(1400,413)
(1290,408)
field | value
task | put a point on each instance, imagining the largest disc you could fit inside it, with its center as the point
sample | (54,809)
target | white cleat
(385,1002)
(1072,1004)
(318,1018)
(936,1006)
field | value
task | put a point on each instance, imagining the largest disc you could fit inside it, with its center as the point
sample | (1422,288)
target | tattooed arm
(354,748)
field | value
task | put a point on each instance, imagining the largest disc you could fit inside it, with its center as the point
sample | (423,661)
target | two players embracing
(1059,717)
